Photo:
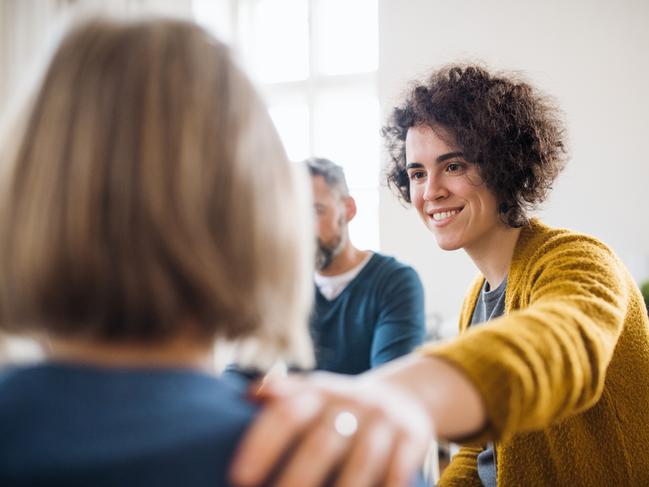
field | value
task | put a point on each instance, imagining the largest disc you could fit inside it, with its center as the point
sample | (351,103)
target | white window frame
(238,14)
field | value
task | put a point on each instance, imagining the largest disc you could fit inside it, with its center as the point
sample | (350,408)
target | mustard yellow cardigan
(564,374)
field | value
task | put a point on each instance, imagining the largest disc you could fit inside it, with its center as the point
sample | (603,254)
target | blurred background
(331,70)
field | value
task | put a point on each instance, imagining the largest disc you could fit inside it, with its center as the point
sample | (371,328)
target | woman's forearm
(456,408)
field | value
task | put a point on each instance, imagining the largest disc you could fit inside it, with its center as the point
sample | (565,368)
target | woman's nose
(434,190)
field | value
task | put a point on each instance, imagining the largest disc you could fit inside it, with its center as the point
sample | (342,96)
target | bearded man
(368,308)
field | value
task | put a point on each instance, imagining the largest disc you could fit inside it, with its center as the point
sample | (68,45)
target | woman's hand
(363,430)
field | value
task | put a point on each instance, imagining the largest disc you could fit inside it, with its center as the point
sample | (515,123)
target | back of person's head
(512,131)
(149,191)
(332,173)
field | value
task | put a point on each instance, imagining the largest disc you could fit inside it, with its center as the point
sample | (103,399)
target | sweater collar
(524,248)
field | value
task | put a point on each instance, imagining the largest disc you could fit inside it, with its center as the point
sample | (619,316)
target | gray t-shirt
(490,305)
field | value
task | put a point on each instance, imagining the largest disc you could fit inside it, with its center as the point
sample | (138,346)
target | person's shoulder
(390,274)
(556,252)
(217,402)
(174,390)
(21,383)
(538,240)
(185,420)
(390,263)
(399,271)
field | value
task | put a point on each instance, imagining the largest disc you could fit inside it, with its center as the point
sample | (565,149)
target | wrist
(451,400)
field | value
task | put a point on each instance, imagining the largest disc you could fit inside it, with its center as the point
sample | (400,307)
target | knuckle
(323,440)
(373,410)
(286,411)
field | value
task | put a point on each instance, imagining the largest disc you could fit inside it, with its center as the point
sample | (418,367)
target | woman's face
(448,192)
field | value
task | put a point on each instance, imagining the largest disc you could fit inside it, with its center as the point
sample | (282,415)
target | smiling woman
(475,152)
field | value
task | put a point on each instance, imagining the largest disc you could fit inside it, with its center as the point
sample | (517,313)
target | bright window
(315,63)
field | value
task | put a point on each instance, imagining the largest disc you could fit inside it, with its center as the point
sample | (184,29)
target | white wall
(593,57)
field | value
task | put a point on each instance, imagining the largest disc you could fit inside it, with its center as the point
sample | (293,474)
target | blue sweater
(64,425)
(378,317)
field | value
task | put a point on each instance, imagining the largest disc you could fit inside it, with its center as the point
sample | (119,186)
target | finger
(276,387)
(366,464)
(316,456)
(270,435)
(406,458)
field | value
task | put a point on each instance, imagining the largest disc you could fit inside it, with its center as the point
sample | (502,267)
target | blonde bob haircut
(148,190)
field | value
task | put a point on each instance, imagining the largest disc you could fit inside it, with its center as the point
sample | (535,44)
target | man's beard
(327,252)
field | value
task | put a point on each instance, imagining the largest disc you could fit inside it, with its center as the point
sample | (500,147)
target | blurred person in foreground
(147,210)
(368,307)
(547,383)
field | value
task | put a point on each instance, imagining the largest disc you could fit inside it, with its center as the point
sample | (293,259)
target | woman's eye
(416,175)
(455,167)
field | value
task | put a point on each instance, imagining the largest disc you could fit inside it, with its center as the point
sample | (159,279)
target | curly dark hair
(511,131)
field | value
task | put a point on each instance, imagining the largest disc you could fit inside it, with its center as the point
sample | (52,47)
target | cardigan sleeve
(463,469)
(547,360)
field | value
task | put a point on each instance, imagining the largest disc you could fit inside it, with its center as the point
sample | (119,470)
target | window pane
(279,40)
(216,16)
(346,36)
(346,131)
(292,122)
(364,228)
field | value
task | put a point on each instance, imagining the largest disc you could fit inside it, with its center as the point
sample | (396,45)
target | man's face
(448,192)
(331,222)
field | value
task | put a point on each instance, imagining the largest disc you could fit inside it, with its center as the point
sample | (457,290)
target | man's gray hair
(332,173)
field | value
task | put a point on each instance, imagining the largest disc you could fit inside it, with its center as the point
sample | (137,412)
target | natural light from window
(315,63)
